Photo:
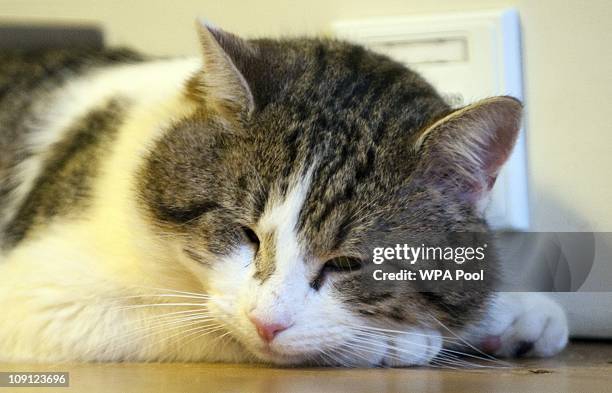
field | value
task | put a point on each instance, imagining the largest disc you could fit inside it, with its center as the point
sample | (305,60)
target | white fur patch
(79,96)
(277,296)
(75,269)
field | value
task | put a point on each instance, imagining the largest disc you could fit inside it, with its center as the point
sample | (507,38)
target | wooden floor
(583,367)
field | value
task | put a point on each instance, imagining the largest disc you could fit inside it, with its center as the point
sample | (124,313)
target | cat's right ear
(220,84)
(464,151)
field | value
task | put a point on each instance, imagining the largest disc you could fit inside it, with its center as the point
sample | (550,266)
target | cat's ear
(467,148)
(220,83)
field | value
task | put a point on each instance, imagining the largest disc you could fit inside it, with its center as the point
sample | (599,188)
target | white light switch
(466,56)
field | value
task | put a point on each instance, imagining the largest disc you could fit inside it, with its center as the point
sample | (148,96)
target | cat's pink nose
(267,331)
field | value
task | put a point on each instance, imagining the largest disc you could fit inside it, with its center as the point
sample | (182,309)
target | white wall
(568,86)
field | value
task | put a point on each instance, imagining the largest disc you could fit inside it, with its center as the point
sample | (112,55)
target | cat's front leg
(521,324)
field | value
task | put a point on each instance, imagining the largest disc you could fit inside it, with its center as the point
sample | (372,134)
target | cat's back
(27,77)
(29,84)
(27,80)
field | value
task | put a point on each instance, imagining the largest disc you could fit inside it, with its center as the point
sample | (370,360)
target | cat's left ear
(220,83)
(464,151)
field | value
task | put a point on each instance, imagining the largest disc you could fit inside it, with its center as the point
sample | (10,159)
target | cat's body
(199,210)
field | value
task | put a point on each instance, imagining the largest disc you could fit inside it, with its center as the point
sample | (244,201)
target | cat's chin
(313,359)
(281,360)
(266,354)
(317,360)
(275,356)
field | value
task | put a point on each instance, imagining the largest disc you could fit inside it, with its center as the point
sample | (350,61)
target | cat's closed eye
(343,264)
(336,265)
(251,236)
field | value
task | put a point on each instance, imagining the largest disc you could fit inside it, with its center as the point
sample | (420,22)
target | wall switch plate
(466,56)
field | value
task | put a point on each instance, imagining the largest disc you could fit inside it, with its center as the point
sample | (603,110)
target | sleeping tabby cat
(220,208)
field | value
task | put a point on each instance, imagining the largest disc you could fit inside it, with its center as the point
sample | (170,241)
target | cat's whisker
(342,359)
(500,363)
(448,351)
(389,355)
(444,350)
(171,295)
(220,340)
(334,360)
(435,364)
(321,358)
(468,344)
(188,321)
(459,364)
(129,307)
(465,364)
(370,349)
(394,335)
(214,327)
(141,333)
(387,331)
(208,328)
(167,338)
(181,331)
(365,347)
(316,361)
(450,358)
(347,354)
(146,323)
(198,334)
(198,311)
(349,348)
(442,356)
(386,343)
(148,319)
(176,320)
(168,290)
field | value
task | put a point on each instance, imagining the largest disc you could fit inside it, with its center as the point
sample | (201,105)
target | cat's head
(304,155)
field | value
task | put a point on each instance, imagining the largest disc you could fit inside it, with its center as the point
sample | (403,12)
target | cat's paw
(416,347)
(526,324)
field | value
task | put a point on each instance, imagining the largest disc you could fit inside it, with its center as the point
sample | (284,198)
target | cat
(220,208)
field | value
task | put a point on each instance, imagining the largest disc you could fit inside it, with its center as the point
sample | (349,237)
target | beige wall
(567,69)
